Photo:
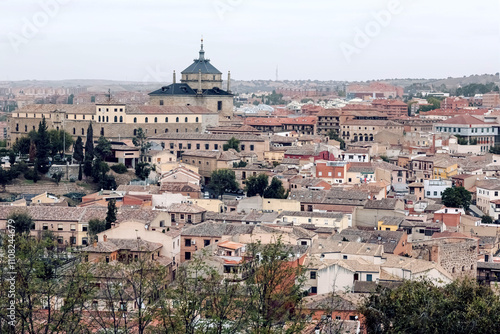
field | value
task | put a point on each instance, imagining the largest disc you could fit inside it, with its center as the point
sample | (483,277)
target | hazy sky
(315,39)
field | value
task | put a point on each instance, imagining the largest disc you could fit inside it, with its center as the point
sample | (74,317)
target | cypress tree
(89,151)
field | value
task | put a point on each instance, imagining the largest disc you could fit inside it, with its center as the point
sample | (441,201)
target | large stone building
(193,105)
(201,85)
(365,130)
(469,130)
(113,120)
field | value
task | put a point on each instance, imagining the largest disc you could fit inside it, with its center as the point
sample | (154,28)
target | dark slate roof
(215,91)
(201,64)
(175,89)
(185,89)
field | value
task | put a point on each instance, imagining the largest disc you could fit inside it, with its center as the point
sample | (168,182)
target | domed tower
(201,67)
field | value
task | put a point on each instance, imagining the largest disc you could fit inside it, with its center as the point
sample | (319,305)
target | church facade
(192,105)
(201,86)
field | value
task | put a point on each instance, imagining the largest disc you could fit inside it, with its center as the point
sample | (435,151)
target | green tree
(332,134)
(384,158)
(239,164)
(232,143)
(222,180)
(476,88)
(78,156)
(142,170)
(140,140)
(462,306)
(12,158)
(22,221)
(42,143)
(41,284)
(71,97)
(456,197)
(32,151)
(96,226)
(274,289)
(273,98)
(57,177)
(60,141)
(111,214)
(256,185)
(486,219)
(78,150)
(5,177)
(22,145)
(103,148)
(36,167)
(275,189)
(80,172)
(99,174)
(495,149)
(89,151)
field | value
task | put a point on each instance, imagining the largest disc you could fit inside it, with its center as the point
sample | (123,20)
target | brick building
(391,108)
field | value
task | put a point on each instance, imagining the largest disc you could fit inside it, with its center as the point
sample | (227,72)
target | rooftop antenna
(109,95)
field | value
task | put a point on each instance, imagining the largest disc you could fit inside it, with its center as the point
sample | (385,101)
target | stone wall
(69,171)
(458,256)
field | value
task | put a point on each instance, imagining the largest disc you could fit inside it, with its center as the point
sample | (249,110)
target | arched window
(146,120)
(197,119)
(135,119)
(17,126)
(196,130)
(99,118)
(121,119)
(83,131)
(176,130)
(107,118)
(166,119)
(135,132)
(185,120)
(116,119)
(156,119)
(166,130)
(74,131)
(177,119)
(185,130)
(102,131)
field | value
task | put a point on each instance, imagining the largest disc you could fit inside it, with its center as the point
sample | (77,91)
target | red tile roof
(463,120)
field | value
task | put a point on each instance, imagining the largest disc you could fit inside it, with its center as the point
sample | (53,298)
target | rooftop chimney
(174,77)
(228,81)
(105,238)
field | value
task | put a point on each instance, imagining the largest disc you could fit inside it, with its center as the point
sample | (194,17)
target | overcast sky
(314,39)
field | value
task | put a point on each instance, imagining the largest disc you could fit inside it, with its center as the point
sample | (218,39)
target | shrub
(119,168)
(29,174)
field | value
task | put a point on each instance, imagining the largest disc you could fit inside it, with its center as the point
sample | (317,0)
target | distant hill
(252,86)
